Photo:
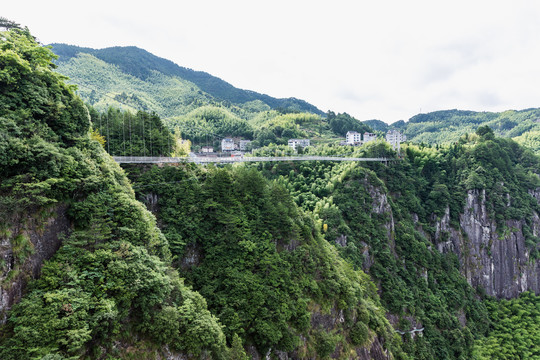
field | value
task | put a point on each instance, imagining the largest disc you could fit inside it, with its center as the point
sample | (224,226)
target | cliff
(84,270)
(263,266)
(24,246)
(499,262)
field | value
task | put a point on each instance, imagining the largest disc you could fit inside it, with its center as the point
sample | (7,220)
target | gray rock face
(44,237)
(375,352)
(499,264)
(381,206)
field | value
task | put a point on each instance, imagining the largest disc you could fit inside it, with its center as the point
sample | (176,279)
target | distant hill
(135,76)
(377,125)
(449,125)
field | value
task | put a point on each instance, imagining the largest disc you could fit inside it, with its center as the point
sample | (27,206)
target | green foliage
(209,124)
(359,333)
(415,281)
(530,139)
(257,259)
(43,103)
(237,350)
(445,127)
(325,343)
(515,329)
(341,123)
(128,134)
(111,275)
(22,247)
(146,82)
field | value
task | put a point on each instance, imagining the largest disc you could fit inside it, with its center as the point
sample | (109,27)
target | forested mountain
(444,127)
(438,231)
(133,78)
(103,277)
(151,83)
(432,255)
(86,273)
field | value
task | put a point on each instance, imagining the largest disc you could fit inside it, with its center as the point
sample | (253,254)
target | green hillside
(156,84)
(449,125)
(112,288)
(396,244)
(109,287)
(285,260)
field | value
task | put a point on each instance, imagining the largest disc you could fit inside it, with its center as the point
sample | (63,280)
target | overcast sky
(386,60)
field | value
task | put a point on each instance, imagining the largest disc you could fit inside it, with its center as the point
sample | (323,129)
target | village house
(395,138)
(227,144)
(369,137)
(294,143)
(355,138)
(207,149)
(243,144)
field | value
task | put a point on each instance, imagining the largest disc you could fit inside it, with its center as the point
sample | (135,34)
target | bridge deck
(205,160)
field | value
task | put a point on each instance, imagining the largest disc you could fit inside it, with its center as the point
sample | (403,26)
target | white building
(369,137)
(243,144)
(294,143)
(356,138)
(353,138)
(227,144)
(207,149)
(395,138)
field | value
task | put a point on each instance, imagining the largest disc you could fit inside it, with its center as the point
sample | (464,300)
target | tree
(8,24)
(485,132)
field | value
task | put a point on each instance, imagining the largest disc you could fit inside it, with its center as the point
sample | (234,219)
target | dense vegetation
(110,281)
(395,243)
(207,125)
(244,258)
(415,281)
(443,127)
(128,134)
(156,84)
(261,263)
(515,330)
(342,123)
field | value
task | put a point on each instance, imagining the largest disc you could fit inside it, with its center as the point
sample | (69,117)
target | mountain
(447,126)
(130,74)
(442,232)
(376,125)
(434,254)
(87,273)
(82,261)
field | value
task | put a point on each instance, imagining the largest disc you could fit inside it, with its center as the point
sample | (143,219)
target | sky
(386,59)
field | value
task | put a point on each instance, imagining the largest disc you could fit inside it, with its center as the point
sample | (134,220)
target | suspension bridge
(236,159)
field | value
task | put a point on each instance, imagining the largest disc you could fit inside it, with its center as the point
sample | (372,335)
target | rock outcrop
(24,247)
(499,263)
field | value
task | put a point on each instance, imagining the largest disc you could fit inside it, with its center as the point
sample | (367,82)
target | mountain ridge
(141,64)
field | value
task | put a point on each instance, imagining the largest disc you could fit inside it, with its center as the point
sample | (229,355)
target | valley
(429,251)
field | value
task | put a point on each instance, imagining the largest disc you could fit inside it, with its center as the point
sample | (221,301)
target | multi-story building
(243,144)
(227,144)
(356,138)
(294,143)
(353,138)
(395,138)
(369,137)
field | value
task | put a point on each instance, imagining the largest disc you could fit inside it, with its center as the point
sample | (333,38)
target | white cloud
(372,59)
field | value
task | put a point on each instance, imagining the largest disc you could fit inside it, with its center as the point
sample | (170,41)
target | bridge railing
(204,159)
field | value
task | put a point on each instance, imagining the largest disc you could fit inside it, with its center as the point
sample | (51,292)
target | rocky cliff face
(329,322)
(24,246)
(500,264)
